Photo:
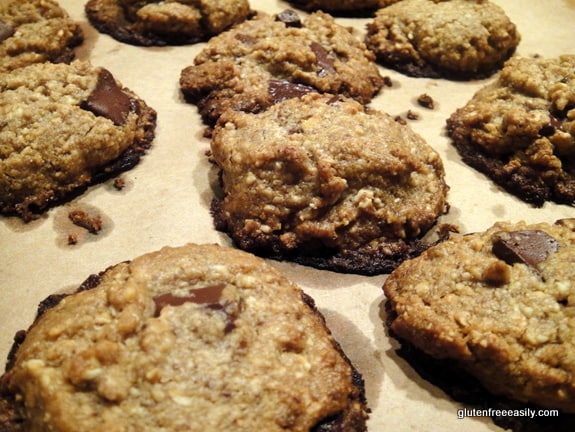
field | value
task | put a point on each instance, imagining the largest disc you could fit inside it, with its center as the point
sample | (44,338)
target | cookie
(168,22)
(271,58)
(65,127)
(500,305)
(456,39)
(35,31)
(343,7)
(197,337)
(520,129)
(323,181)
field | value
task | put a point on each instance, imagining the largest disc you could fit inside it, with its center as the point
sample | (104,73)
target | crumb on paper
(72,239)
(412,115)
(82,219)
(119,183)
(426,101)
(400,120)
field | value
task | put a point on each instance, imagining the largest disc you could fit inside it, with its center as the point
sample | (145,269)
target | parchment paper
(167,196)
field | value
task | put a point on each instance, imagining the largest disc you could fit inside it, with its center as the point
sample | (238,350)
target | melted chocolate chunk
(6,30)
(290,18)
(246,39)
(108,100)
(324,61)
(282,90)
(529,247)
(209,296)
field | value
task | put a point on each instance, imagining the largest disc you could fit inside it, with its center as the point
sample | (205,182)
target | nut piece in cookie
(204,336)
(326,182)
(167,22)
(35,31)
(456,39)
(520,130)
(58,139)
(498,304)
(269,58)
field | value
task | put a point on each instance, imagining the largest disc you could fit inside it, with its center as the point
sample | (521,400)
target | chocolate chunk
(324,61)
(209,296)
(282,90)
(246,39)
(290,18)
(108,100)
(6,30)
(529,247)
(550,128)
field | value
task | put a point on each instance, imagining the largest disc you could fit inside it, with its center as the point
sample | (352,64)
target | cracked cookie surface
(65,127)
(500,304)
(458,39)
(203,336)
(325,181)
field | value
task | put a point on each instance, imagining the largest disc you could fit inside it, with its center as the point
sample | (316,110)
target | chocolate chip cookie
(167,22)
(520,130)
(500,305)
(323,181)
(35,31)
(343,7)
(64,127)
(270,58)
(198,337)
(456,39)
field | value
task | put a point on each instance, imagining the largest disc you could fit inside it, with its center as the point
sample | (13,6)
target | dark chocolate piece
(282,90)
(529,247)
(324,61)
(6,30)
(208,296)
(290,18)
(108,100)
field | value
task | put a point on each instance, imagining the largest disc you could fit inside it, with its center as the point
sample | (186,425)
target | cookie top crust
(500,303)
(456,39)
(63,128)
(199,335)
(35,31)
(520,129)
(322,174)
(168,22)
(270,58)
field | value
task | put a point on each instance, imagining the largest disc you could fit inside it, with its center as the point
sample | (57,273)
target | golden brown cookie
(198,337)
(458,39)
(65,127)
(520,129)
(35,31)
(166,22)
(324,181)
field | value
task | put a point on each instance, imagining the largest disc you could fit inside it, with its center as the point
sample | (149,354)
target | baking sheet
(167,196)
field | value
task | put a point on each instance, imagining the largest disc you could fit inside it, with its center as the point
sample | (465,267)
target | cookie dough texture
(342,7)
(63,128)
(168,22)
(458,39)
(198,338)
(35,31)
(324,180)
(520,130)
(252,66)
(499,303)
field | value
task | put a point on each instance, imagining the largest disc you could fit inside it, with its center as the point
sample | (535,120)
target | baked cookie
(270,58)
(198,337)
(326,182)
(63,128)
(167,22)
(520,129)
(456,39)
(500,305)
(35,31)
(343,7)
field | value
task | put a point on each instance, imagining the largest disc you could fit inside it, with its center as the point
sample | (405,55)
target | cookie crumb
(426,101)
(412,115)
(72,239)
(82,219)
(119,183)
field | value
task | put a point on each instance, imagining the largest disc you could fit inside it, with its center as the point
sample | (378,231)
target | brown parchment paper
(167,196)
